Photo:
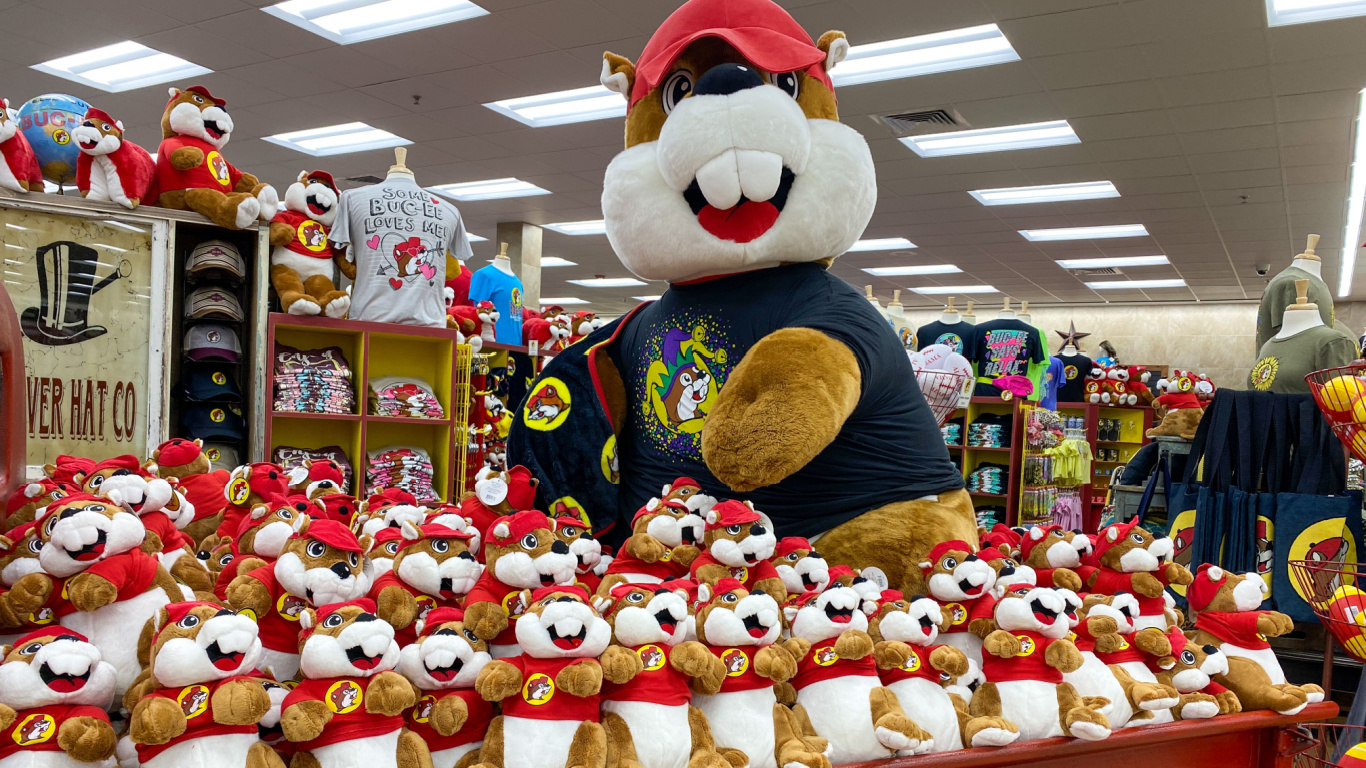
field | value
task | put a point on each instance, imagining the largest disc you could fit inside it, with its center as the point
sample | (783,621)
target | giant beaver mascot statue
(758,373)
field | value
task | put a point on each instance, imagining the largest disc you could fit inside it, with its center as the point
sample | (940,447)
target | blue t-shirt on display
(1052,379)
(505,291)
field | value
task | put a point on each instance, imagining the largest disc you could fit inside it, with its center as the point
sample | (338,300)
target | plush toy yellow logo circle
(608,461)
(825,656)
(538,689)
(652,656)
(344,696)
(737,663)
(1326,543)
(239,491)
(423,711)
(1027,645)
(34,729)
(957,613)
(218,168)
(739,573)
(548,405)
(512,603)
(912,663)
(193,700)
(290,607)
(311,235)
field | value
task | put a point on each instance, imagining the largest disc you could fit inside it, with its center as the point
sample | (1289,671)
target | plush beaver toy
(962,583)
(163,510)
(302,268)
(1131,559)
(498,493)
(758,373)
(738,546)
(664,541)
(110,167)
(444,663)
(1190,670)
(54,690)
(521,553)
(1049,551)
(247,486)
(28,607)
(186,462)
(321,565)
(801,568)
(202,710)
(347,710)
(587,551)
(262,536)
(434,568)
(1106,670)
(28,498)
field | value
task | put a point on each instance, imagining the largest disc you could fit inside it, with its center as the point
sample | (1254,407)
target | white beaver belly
(839,711)
(966,642)
(447,758)
(741,720)
(1140,673)
(662,734)
(50,759)
(226,749)
(1094,678)
(929,705)
(114,629)
(529,743)
(369,752)
(1033,706)
(1265,658)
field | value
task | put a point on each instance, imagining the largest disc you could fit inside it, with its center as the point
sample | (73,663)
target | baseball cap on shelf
(222,456)
(210,385)
(210,420)
(212,341)
(216,254)
(213,301)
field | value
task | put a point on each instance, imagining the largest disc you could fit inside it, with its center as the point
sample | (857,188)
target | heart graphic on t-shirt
(427,270)
(395,283)
(373,243)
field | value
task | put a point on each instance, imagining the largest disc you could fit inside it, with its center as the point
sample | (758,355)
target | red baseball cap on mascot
(389,497)
(572,589)
(127,461)
(321,177)
(177,452)
(65,468)
(53,631)
(30,491)
(760,30)
(1027,545)
(1208,580)
(731,512)
(648,508)
(177,611)
(325,469)
(437,531)
(1002,534)
(95,113)
(519,524)
(726,585)
(889,596)
(384,535)
(364,603)
(1103,540)
(438,616)
(340,507)
(789,544)
(940,549)
(202,91)
(332,533)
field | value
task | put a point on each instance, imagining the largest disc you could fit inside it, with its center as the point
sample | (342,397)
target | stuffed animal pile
(500,635)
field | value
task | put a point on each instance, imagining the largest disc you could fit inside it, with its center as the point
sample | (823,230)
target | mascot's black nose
(1209,650)
(465,555)
(559,547)
(756,530)
(725,79)
(340,569)
(365,617)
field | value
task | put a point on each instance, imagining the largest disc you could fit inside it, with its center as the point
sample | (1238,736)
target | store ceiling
(1229,141)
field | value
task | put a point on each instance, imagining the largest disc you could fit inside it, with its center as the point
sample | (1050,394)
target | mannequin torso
(1297,321)
(503,264)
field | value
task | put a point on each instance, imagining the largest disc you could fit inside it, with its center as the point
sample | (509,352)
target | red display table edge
(1247,739)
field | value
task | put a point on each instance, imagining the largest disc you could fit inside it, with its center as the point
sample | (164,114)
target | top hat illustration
(66,281)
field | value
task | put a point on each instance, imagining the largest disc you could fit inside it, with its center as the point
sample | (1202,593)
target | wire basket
(945,391)
(1315,745)
(1341,396)
(1333,591)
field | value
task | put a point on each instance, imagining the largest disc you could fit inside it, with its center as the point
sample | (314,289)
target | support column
(524,251)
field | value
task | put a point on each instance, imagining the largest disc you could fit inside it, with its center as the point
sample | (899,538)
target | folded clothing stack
(404,396)
(952,432)
(404,467)
(989,478)
(989,430)
(290,457)
(313,381)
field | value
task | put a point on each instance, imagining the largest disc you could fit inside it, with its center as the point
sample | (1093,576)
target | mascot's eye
(1137,538)
(570,532)
(335,620)
(353,559)
(684,492)
(732,529)
(676,88)
(470,636)
(34,545)
(787,82)
(58,495)
(440,546)
(950,563)
(51,523)
(285,514)
(190,620)
(530,541)
(634,597)
(96,481)
(1187,657)
(316,549)
(31,649)
(730,598)
(794,557)
(107,128)
(391,547)
(202,555)
(225,559)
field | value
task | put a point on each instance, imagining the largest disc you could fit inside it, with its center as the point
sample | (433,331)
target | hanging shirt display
(505,291)
(1280,293)
(1003,349)
(1052,383)
(1072,385)
(950,335)
(1283,363)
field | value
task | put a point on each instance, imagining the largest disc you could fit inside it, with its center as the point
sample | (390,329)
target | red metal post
(13,437)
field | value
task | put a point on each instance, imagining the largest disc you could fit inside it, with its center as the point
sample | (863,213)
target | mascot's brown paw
(1177,573)
(240,702)
(946,658)
(1146,584)
(897,732)
(1066,578)
(734,757)
(708,758)
(396,606)
(854,644)
(891,654)
(645,548)
(775,663)
(797,647)
(990,732)
(30,592)
(684,554)
(1196,706)
(1086,724)
(785,694)
(189,571)
(1002,644)
(498,680)
(248,594)
(7,716)
(261,756)
(412,751)
(90,592)
(1063,656)
(620,665)
(982,627)
(156,720)
(1152,697)
(388,693)
(305,720)
(1274,624)
(1099,626)
(449,715)
(694,660)
(1152,642)
(1228,703)
(582,679)
(486,620)
(87,739)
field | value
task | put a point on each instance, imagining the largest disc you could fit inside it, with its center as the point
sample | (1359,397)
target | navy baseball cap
(213,420)
(209,385)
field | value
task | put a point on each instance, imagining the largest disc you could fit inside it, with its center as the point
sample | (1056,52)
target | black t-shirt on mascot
(1075,369)
(676,354)
(950,335)
(1003,348)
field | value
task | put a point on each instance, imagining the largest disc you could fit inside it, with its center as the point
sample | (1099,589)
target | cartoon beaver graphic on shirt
(36,730)
(194,702)
(545,405)
(539,689)
(344,697)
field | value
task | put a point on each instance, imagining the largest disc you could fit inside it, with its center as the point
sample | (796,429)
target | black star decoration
(1071,335)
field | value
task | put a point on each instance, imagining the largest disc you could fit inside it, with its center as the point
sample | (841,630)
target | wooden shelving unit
(974,456)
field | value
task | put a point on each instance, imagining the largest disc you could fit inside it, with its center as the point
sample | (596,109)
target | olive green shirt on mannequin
(1280,293)
(1283,363)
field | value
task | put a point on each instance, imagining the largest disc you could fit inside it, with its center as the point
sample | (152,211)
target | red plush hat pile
(1208,580)
(731,512)
(177,452)
(67,467)
(332,533)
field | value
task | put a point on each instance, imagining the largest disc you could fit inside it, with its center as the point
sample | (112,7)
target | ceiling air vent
(924,121)
(1095,272)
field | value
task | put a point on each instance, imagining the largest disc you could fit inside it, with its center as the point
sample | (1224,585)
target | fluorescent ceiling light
(883,244)
(351,21)
(647,298)
(473,238)
(1117,261)
(939,290)
(1136,284)
(1282,12)
(564,301)
(1356,199)
(337,139)
(576,106)
(121,67)
(556,261)
(924,269)
(1007,137)
(1084,233)
(598,227)
(608,282)
(489,189)
(924,55)
(1047,193)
